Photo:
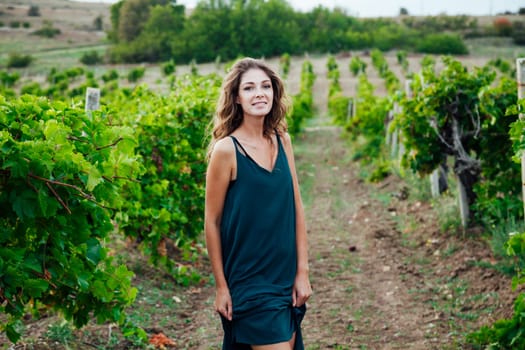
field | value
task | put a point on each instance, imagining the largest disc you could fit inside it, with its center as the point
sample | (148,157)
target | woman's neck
(252,128)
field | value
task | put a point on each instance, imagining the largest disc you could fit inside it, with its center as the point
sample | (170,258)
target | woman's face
(255,93)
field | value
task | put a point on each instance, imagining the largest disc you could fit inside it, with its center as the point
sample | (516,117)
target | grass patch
(494,47)
(46,59)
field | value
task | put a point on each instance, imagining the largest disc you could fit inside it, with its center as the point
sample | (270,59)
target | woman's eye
(248,88)
(268,86)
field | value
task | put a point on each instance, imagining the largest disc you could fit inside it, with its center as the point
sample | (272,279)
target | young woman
(254,218)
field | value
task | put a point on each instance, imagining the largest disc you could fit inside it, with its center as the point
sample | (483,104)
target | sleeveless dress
(258,238)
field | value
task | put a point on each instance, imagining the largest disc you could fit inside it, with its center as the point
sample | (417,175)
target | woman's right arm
(218,176)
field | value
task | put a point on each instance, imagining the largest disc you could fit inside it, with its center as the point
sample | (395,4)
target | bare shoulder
(223,148)
(286,139)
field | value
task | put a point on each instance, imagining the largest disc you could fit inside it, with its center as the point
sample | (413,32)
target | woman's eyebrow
(252,82)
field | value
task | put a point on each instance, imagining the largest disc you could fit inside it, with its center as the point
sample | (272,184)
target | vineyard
(410,171)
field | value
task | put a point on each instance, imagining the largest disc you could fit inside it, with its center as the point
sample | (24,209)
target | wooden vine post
(520,72)
(92,99)
(464,209)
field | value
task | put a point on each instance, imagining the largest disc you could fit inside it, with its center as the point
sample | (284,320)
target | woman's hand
(302,290)
(223,303)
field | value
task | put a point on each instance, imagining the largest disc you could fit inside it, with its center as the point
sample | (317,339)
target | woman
(254,218)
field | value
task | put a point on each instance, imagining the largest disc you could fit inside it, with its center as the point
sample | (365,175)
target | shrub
(503,26)
(74,72)
(91,58)
(14,24)
(518,32)
(110,75)
(47,30)
(32,88)
(168,68)
(98,23)
(8,80)
(16,60)
(34,11)
(445,44)
(135,74)
(285,64)
(26,25)
(357,65)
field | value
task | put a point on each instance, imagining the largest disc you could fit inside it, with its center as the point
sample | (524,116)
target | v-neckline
(247,155)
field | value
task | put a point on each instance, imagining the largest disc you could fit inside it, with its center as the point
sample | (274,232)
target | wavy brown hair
(229,114)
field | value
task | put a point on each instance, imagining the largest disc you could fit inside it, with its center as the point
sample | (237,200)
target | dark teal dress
(259,254)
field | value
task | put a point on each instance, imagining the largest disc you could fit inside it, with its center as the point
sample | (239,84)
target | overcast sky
(376,8)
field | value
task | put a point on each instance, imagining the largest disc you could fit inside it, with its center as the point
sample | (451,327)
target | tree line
(161,30)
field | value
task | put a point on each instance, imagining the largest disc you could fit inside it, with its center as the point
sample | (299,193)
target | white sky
(376,8)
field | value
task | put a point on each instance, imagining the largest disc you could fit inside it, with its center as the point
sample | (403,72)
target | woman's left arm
(302,288)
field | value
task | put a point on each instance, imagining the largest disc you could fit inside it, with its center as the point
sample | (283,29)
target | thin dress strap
(247,155)
(238,144)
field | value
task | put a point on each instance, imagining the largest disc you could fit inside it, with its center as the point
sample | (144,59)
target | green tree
(98,23)
(207,33)
(115,20)
(132,17)
(327,30)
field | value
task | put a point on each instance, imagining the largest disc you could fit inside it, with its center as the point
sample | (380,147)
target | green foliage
(445,44)
(148,35)
(91,58)
(456,113)
(402,60)
(357,65)
(168,202)
(32,88)
(47,30)
(303,102)
(517,129)
(110,75)
(337,102)
(16,60)
(380,172)
(518,32)
(61,175)
(33,11)
(136,73)
(98,23)
(9,79)
(507,333)
(159,30)
(168,68)
(502,65)
(285,64)
(499,193)
(331,67)
(371,112)
(379,61)
(61,332)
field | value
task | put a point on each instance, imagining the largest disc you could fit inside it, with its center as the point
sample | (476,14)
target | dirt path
(358,299)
